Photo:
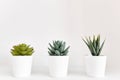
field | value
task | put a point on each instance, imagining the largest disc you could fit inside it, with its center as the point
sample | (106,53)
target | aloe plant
(94,45)
(22,50)
(58,48)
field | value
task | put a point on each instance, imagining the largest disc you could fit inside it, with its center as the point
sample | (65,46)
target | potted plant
(58,58)
(22,60)
(95,64)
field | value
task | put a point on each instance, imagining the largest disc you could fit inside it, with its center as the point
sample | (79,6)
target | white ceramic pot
(95,65)
(58,66)
(22,66)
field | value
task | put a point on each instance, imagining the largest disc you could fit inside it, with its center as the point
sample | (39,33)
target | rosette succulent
(22,50)
(58,48)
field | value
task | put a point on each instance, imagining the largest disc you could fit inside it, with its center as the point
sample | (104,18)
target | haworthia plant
(22,50)
(58,48)
(94,45)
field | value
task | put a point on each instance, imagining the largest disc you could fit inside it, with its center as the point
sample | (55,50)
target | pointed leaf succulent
(94,45)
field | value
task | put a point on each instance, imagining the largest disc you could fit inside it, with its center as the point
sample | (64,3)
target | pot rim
(96,56)
(22,56)
(58,56)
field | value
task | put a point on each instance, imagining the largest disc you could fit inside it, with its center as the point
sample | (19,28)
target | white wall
(38,22)
(35,22)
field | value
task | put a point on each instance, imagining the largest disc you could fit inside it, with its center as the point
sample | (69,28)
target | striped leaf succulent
(94,45)
(22,50)
(58,48)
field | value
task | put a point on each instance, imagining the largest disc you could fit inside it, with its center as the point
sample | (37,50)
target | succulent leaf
(22,50)
(58,48)
(94,45)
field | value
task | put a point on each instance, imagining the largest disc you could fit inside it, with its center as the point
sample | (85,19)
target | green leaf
(58,48)
(65,53)
(51,50)
(94,45)
(67,48)
(49,53)
(30,53)
(51,46)
(94,42)
(101,48)
(22,50)
(86,42)
(57,52)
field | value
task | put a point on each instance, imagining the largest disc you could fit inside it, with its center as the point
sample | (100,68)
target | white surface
(41,73)
(38,22)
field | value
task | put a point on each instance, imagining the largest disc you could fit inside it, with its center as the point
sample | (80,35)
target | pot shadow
(40,72)
(76,72)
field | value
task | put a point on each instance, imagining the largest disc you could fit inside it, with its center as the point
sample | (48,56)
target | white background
(38,22)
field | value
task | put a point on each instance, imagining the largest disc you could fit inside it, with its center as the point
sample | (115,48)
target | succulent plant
(58,48)
(22,50)
(94,45)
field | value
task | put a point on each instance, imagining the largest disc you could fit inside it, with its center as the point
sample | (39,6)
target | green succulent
(22,50)
(94,45)
(58,48)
